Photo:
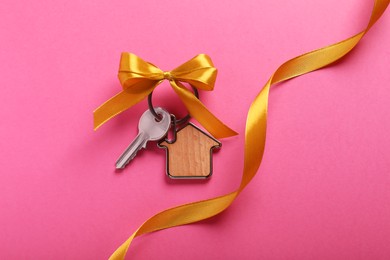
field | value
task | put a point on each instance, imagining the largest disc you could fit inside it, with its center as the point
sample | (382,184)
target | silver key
(149,130)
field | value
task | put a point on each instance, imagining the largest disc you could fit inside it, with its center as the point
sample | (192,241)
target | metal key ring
(177,121)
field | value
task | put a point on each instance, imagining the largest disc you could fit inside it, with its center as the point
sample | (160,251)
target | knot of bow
(139,78)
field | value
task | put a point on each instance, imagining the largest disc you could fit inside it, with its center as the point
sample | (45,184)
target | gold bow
(139,78)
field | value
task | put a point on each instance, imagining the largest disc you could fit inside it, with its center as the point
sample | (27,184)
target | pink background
(323,190)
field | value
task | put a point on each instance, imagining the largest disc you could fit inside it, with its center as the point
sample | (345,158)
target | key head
(155,129)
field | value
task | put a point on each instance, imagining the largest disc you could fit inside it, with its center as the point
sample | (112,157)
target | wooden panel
(190,156)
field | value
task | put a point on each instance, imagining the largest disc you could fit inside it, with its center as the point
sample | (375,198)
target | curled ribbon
(139,78)
(255,133)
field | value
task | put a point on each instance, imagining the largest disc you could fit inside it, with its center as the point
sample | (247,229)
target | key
(149,130)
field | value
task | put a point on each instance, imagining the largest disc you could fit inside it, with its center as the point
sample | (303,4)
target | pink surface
(323,190)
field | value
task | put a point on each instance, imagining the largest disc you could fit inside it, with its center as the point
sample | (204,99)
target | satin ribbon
(254,136)
(139,78)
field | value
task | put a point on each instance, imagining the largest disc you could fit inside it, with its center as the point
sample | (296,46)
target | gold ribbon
(139,78)
(254,136)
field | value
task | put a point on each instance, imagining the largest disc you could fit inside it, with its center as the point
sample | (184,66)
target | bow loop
(133,69)
(139,78)
(201,79)
(199,72)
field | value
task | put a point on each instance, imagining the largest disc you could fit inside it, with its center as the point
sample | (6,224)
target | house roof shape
(189,155)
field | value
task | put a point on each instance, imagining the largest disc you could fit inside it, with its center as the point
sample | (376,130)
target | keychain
(188,154)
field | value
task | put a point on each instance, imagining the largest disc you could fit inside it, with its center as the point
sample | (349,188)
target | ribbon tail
(117,104)
(196,211)
(196,109)
(120,253)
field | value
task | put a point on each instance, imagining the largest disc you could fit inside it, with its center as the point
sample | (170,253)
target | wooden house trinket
(190,154)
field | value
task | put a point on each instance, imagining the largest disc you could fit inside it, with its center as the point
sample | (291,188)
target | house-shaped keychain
(190,154)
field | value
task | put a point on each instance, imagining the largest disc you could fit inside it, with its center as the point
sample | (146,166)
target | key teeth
(122,166)
(131,157)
